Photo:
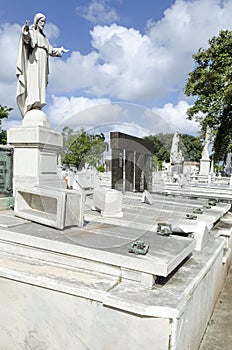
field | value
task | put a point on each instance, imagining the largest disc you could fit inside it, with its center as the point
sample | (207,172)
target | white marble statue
(205,151)
(32,65)
(176,155)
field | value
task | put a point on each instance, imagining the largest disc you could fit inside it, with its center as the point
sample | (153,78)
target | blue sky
(128,60)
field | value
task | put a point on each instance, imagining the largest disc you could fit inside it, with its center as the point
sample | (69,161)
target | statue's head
(39,21)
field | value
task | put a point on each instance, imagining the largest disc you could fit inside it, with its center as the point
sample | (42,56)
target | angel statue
(32,65)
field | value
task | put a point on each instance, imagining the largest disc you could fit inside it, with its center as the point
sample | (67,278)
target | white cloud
(80,112)
(102,114)
(130,62)
(171,118)
(9,37)
(98,115)
(125,64)
(98,11)
(77,72)
(52,31)
(132,129)
(185,27)
(128,65)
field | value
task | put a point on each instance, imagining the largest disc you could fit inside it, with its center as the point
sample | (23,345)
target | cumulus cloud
(124,63)
(9,36)
(103,115)
(98,11)
(52,31)
(133,129)
(170,118)
(128,65)
(185,27)
(80,112)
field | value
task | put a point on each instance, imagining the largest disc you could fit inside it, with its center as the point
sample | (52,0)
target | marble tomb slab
(108,246)
(49,206)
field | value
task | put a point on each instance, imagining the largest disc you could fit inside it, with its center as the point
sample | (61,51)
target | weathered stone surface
(108,202)
(86,281)
(56,208)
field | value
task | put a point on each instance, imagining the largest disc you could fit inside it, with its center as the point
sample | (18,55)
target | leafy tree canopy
(80,148)
(4,112)
(3,137)
(211,84)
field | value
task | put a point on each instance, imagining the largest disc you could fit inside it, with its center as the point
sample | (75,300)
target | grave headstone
(131,162)
(108,202)
(6,170)
(228,165)
(6,177)
(205,160)
(147,198)
(176,157)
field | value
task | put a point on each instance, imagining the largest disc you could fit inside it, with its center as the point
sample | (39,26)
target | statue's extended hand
(63,50)
(26,25)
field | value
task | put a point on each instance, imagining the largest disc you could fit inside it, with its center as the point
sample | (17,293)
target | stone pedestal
(177,168)
(204,167)
(40,194)
(35,152)
(108,202)
(231,181)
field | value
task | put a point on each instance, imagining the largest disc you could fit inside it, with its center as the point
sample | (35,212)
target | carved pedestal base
(40,194)
(204,167)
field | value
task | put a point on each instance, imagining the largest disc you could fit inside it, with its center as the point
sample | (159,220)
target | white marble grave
(205,160)
(147,197)
(50,207)
(107,201)
(35,152)
(87,179)
(40,194)
(82,280)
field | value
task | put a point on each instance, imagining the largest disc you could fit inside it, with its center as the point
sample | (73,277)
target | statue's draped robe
(33,69)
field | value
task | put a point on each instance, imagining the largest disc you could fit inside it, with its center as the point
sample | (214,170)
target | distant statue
(205,151)
(32,65)
(176,155)
(228,164)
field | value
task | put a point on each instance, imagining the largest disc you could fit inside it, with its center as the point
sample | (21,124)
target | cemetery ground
(83,280)
(218,334)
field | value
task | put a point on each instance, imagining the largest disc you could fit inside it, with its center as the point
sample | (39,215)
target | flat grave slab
(108,245)
(172,210)
(106,241)
(199,191)
(8,220)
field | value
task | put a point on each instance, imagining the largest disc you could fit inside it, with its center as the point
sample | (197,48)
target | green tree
(162,147)
(80,148)
(211,84)
(3,137)
(191,147)
(4,113)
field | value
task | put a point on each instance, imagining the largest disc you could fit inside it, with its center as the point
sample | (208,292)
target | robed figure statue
(32,65)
